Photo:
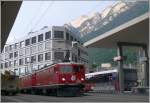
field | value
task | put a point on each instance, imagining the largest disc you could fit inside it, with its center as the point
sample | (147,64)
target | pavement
(87,97)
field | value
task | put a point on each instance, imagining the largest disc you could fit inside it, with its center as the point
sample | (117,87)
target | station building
(44,47)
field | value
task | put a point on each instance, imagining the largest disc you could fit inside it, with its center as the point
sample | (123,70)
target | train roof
(46,67)
(89,75)
(70,63)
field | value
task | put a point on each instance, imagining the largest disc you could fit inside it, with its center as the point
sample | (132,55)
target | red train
(62,79)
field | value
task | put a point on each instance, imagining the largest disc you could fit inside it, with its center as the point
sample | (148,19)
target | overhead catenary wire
(35,15)
(41,17)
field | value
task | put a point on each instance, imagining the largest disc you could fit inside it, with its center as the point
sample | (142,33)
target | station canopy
(134,28)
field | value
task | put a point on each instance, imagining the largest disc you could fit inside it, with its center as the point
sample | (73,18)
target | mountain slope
(87,23)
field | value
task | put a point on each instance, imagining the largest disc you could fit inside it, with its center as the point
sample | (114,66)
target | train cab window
(66,69)
(77,68)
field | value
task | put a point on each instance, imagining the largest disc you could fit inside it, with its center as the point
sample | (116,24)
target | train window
(66,69)
(77,68)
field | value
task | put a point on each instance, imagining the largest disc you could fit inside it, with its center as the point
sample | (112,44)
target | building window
(22,70)
(48,45)
(33,59)
(16,54)
(6,48)
(6,64)
(34,67)
(10,63)
(15,62)
(58,34)
(16,71)
(27,51)
(75,39)
(10,47)
(40,37)
(59,55)
(33,40)
(40,47)
(10,55)
(27,42)
(16,45)
(21,52)
(67,36)
(40,57)
(21,61)
(22,44)
(48,35)
(33,49)
(74,58)
(27,60)
(48,56)
(2,66)
(71,38)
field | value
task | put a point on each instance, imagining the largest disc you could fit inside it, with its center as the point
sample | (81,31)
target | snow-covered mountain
(91,22)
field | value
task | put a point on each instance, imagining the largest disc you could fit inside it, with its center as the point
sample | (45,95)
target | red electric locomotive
(61,79)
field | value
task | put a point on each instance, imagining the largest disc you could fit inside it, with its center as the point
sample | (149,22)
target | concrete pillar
(146,71)
(120,69)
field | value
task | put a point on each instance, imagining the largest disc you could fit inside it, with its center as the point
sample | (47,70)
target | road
(88,97)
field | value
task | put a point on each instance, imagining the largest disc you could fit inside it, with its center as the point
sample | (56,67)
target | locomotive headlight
(73,78)
(82,79)
(63,79)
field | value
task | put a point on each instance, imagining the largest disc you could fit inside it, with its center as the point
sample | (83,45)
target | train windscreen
(77,68)
(66,69)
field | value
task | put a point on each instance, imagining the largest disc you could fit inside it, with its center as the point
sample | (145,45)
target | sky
(33,15)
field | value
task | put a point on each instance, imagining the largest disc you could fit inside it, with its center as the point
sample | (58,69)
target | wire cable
(33,17)
(43,14)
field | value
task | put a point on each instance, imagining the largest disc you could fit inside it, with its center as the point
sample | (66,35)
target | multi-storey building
(44,47)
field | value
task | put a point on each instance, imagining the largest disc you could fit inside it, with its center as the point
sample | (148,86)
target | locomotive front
(71,77)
